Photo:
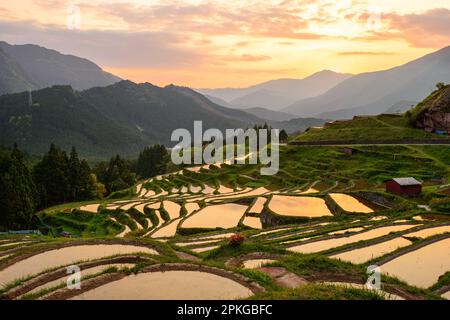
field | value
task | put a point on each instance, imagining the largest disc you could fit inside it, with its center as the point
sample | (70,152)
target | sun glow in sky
(230,43)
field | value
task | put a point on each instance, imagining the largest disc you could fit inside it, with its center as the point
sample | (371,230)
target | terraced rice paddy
(195,189)
(351,230)
(349,203)
(172,208)
(224,189)
(328,244)
(181,213)
(225,196)
(84,273)
(309,191)
(256,263)
(168,230)
(258,206)
(217,236)
(216,216)
(191,207)
(208,190)
(169,285)
(9,244)
(421,267)
(379,218)
(124,232)
(388,296)
(263,233)
(90,208)
(365,254)
(429,232)
(252,222)
(195,243)
(65,256)
(129,205)
(204,249)
(160,219)
(299,206)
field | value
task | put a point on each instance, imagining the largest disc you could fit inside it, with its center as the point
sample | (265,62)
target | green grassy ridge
(301,165)
(319,292)
(381,127)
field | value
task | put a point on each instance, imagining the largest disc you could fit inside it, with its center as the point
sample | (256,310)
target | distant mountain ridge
(374,92)
(12,77)
(401,106)
(269,114)
(276,94)
(33,67)
(119,118)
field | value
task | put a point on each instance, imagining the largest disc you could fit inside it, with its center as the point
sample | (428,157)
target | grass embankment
(382,127)
(299,167)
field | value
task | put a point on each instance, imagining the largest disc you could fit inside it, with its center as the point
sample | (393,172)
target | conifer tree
(52,175)
(18,193)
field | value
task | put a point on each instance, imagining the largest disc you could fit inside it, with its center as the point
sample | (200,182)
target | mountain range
(119,118)
(277,94)
(74,102)
(330,95)
(30,67)
(375,92)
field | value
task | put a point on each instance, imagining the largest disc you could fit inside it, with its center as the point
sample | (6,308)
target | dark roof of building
(407,181)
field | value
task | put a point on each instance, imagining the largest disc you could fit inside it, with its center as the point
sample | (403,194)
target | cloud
(365,53)
(285,20)
(428,29)
(4,13)
(247,58)
(113,48)
(286,43)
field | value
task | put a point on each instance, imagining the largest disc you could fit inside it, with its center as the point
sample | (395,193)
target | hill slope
(401,107)
(382,127)
(61,115)
(276,94)
(270,114)
(433,114)
(36,67)
(12,77)
(120,118)
(375,92)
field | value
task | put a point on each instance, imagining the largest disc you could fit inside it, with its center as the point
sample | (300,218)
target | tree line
(58,177)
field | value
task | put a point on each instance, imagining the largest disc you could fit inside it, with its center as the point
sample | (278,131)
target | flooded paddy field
(349,203)
(323,245)
(84,273)
(258,206)
(216,216)
(252,222)
(310,207)
(421,267)
(304,219)
(365,254)
(65,256)
(169,285)
(256,263)
(429,232)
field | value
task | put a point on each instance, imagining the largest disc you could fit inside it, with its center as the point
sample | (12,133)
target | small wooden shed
(404,186)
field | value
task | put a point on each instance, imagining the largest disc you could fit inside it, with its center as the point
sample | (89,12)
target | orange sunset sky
(226,43)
